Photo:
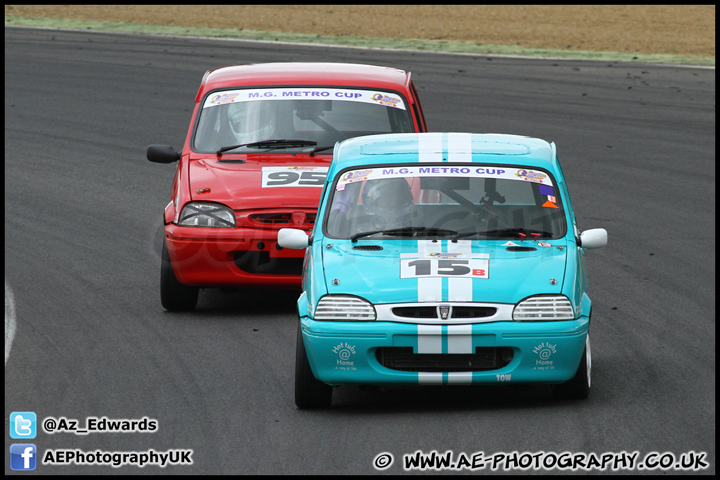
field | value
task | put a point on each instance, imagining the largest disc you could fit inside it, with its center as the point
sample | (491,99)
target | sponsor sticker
(531,175)
(345,353)
(354,176)
(545,352)
(384,99)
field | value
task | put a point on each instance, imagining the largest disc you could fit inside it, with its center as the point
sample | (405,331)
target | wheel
(579,386)
(174,296)
(309,391)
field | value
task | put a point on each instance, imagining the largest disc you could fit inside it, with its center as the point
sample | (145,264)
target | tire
(579,387)
(174,296)
(309,391)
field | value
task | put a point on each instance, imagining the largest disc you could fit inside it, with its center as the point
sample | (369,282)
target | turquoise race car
(447,259)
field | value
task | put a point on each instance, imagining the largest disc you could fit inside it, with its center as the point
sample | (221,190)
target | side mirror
(595,238)
(162,154)
(293,238)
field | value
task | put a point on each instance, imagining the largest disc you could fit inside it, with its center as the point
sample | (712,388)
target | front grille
(262,263)
(473,312)
(415,312)
(431,312)
(484,359)
(282,219)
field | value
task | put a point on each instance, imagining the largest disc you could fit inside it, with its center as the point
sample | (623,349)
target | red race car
(255,160)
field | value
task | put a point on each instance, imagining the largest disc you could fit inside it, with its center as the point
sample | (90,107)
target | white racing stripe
(429,289)
(460,289)
(460,339)
(459,378)
(459,147)
(430,378)
(430,147)
(429,339)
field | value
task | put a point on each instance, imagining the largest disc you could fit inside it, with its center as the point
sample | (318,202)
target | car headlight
(544,308)
(344,308)
(205,214)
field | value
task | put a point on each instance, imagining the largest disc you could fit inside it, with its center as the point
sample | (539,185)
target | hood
(475,271)
(259,181)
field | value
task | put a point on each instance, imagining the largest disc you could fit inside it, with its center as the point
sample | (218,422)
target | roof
(302,73)
(443,147)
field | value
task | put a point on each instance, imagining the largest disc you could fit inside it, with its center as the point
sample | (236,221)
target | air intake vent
(281,219)
(473,312)
(484,358)
(415,312)
(367,247)
(455,312)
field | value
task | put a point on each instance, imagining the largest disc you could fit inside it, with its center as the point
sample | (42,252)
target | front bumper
(499,352)
(218,257)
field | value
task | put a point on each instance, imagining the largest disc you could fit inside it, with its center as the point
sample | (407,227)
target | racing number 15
(474,268)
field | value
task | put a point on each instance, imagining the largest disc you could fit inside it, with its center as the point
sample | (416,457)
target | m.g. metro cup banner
(501,172)
(375,97)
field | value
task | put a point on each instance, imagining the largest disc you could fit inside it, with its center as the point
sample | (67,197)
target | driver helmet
(251,121)
(388,202)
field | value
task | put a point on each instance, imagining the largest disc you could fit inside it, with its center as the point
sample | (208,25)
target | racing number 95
(473,268)
(290,178)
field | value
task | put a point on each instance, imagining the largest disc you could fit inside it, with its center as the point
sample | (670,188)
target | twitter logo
(23,425)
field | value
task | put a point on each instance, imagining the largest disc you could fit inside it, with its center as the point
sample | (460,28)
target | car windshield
(304,115)
(449,202)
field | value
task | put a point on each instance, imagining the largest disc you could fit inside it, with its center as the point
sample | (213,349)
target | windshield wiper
(280,143)
(506,232)
(405,231)
(320,149)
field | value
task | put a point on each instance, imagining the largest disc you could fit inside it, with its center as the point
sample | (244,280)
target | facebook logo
(23,456)
(23,425)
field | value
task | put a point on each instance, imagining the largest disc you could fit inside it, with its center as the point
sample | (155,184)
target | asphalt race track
(82,262)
